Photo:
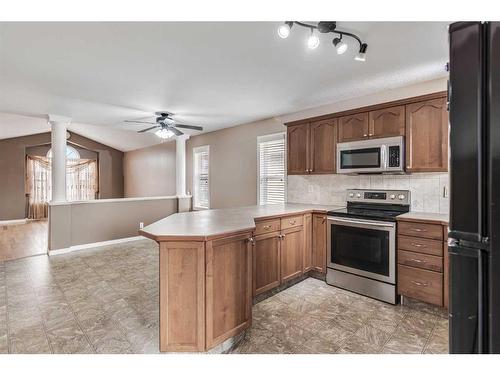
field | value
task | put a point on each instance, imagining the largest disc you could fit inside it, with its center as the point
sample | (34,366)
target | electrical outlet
(141,225)
(310,189)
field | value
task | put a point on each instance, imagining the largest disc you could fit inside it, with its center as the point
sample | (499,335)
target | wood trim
(374,107)
(181,285)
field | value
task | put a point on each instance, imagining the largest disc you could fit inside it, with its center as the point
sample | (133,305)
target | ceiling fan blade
(139,122)
(189,127)
(145,130)
(175,131)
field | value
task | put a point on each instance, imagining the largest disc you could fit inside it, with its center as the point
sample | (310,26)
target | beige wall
(150,171)
(233,162)
(233,151)
(12,170)
(72,224)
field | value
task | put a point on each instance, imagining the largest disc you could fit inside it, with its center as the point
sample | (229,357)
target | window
(271,169)
(201,185)
(71,153)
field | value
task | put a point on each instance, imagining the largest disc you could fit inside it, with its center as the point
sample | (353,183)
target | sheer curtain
(82,183)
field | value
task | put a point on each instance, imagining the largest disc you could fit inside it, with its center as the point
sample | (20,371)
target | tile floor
(23,240)
(106,301)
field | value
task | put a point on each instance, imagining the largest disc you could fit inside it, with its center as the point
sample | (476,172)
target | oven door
(362,247)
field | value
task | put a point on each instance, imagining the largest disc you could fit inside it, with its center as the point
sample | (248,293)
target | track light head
(313,40)
(284,30)
(361,55)
(339,45)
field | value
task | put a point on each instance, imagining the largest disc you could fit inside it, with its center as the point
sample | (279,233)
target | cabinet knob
(370,134)
(365,135)
(292,222)
(267,227)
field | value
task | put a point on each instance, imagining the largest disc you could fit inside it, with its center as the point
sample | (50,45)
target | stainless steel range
(362,242)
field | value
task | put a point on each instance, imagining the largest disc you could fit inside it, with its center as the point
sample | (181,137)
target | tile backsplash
(429,191)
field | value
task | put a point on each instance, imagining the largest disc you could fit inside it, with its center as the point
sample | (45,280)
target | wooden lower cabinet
(266,262)
(307,261)
(319,250)
(228,287)
(421,284)
(292,243)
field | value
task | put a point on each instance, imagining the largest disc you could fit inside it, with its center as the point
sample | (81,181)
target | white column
(59,125)
(180,165)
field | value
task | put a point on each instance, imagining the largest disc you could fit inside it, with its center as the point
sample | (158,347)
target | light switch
(445,191)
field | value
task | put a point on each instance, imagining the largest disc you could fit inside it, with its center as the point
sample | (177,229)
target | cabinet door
(228,287)
(319,250)
(308,257)
(266,262)
(292,243)
(322,149)
(427,136)
(388,122)
(353,127)
(298,149)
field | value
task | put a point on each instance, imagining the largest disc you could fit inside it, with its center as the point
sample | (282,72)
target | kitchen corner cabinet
(319,249)
(311,147)
(353,127)
(427,136)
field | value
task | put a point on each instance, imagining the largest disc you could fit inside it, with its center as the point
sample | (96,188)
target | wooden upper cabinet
(387,122)
(319,249)
(323,135)
(427,136)
(292,243)
(353,127)
(298,149)
(266,262)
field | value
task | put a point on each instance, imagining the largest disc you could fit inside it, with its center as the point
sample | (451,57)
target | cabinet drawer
(291,222)
(429,262)
(267,226)
(420,245)
(434,231)
(421,284)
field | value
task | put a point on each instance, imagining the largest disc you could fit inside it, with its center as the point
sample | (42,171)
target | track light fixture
(325,27)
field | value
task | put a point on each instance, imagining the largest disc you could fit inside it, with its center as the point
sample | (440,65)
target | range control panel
(379,196)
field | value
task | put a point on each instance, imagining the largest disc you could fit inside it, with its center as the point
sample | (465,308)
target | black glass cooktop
(381,212)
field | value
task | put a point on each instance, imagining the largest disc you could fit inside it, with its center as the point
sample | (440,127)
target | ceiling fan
(167,126)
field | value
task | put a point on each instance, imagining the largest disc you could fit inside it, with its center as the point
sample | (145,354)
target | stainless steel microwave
(382,155)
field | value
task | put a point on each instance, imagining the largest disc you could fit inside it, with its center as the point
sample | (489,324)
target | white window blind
(271,166)
(201,186)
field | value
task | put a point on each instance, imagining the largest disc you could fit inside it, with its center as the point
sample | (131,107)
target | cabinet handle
(323,221)
(416,260)
(419,284)
(282,236)
(252,241)
(292,222)
(365,135)
(417,244)
(370,134)
(418,230)
(267,227)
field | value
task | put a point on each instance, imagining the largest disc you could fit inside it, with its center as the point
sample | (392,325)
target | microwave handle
(383,157)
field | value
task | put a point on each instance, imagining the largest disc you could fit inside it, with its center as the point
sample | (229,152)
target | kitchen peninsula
(213,262)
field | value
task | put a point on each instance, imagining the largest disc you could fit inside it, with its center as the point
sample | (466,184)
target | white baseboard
(10,222)
(94,244)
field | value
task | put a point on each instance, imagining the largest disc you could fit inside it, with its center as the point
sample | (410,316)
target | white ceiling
(215,75)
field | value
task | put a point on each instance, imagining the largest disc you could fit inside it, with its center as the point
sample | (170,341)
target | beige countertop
(425,216)
(200,225)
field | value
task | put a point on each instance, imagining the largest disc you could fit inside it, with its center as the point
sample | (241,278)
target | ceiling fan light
(339,45)
(164,133)
(284,30)
(313,41)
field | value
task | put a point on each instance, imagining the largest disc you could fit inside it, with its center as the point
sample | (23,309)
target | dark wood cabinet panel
(353,127)
(323,136)
(266,262)
(387,122)
(427,136)
(308,256)
(298,149)
(292,244)
(319,249)
(228,287)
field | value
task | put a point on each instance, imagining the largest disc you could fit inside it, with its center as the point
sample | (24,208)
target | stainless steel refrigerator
(474,245)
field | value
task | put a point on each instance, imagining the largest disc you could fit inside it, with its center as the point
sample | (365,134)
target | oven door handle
(371,223)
